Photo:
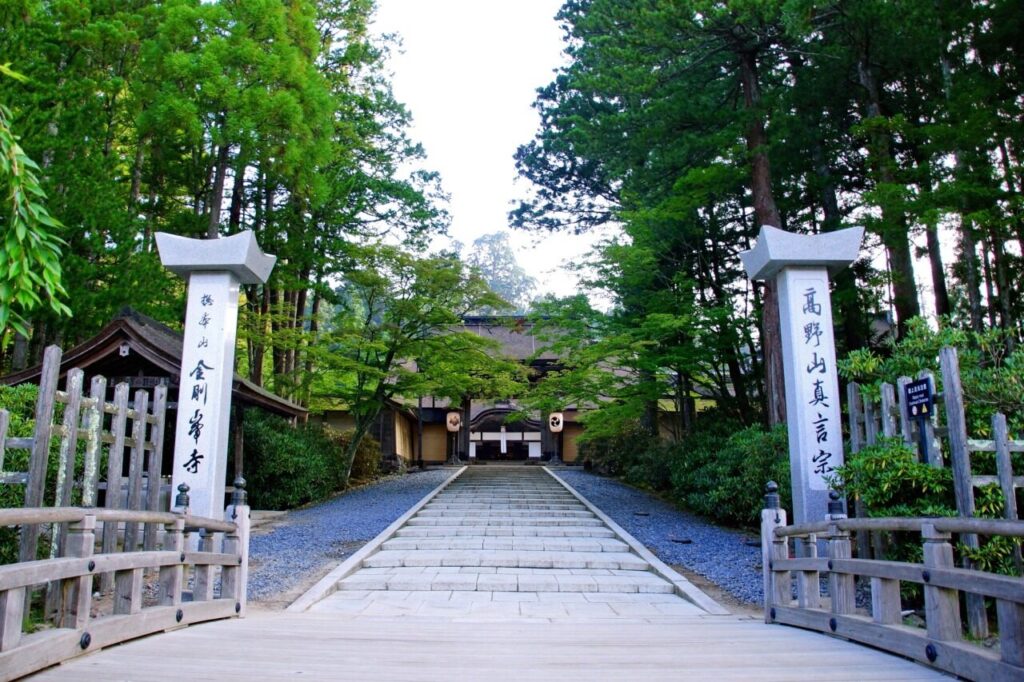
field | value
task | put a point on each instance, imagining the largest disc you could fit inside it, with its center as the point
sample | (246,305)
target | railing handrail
(942,524)
(40,515)
(941,643)
(177,567)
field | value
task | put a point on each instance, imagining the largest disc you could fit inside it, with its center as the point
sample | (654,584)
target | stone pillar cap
(238,254)
(777,249)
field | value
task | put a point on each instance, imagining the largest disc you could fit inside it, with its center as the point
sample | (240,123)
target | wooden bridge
(501,573)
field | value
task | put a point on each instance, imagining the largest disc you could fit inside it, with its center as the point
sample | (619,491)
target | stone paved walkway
(504,542)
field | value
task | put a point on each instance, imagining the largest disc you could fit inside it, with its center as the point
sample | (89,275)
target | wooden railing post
(842,587)
(963,487)
(941,605)
(906,426)
(1010,617)
(171,577)
(94,437)
(135,466)
(777,586)
(77,592)
(235,580)
(808,584)
(155,464)
(202,590)
(12,611)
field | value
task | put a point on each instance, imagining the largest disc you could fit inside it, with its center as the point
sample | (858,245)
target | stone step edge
(329,583)
(470,582)
(396,558)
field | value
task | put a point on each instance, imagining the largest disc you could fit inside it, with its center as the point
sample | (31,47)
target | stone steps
(499,521)
(507,559)
(582,513)
(511,529)
(538,581)
(505,531)
(507,543)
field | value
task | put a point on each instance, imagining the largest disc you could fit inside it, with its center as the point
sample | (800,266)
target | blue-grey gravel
(305,540)
(724,556)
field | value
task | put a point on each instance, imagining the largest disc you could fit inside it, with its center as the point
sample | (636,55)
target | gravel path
(306,540)
(721,555)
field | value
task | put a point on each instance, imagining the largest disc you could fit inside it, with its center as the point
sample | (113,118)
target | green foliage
(30,268)
(366,462)
(398,309)
(891,481)
(20,402)
(494,258)
(718,471)
(992,378)
(288,467)
(723,478)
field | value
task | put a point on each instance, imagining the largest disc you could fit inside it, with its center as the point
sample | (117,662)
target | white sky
(468,71)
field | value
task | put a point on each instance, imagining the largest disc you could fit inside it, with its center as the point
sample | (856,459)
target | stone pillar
(801,265)
(214,270)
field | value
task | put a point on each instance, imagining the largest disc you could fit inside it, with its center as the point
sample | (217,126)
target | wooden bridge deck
(505,574)
(321,646)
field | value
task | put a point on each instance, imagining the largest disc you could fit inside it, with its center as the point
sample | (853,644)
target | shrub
(891,482)
(366,462)
(614,455)
(289,466)
(718,471)
(723,477)
(20,402)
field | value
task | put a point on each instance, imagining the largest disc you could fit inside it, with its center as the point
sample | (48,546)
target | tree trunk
(217,193)
(894,232)
(765,213)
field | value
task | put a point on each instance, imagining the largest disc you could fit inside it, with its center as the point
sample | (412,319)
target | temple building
(415,430)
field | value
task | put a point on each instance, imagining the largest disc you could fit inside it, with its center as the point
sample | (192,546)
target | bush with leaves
(287,466)
(615,454)
(722,476)
(20,402)
(366,461)
(891,481)
(718,471)
(992,377)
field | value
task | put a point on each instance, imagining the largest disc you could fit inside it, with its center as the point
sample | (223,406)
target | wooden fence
(83,626)
(153,569)
(942,643)
(948,443)
(110,431)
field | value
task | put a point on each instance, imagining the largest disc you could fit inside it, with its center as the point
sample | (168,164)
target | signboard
(919,399)
(454,421)
(812,388)
(555,422)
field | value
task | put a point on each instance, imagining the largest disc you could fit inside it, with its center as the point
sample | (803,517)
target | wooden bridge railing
(171,571)
(941,643)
